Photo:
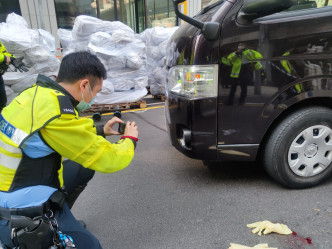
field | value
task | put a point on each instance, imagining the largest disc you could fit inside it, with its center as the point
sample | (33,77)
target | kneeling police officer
(37,129)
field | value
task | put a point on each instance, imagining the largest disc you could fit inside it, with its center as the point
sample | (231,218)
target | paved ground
(166,200)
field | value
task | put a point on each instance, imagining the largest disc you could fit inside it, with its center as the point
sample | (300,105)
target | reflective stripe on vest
(13,133)
(9,148)
(9,161)
(10,156)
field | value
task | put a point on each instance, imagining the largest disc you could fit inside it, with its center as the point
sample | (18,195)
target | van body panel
(288,97)
(188,47)
(296,59)
(296,66)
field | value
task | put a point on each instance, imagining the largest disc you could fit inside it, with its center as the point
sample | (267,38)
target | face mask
(83,105)
(240,47)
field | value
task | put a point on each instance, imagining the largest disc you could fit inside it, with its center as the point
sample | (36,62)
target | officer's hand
(131,129)
(17,63)
(263,74)
(108,127)
(238,52)
(8,60)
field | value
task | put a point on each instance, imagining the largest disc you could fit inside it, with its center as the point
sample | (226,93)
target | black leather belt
(31,212)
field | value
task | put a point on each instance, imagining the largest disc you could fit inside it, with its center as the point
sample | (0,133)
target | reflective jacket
(247,56)
(285,63)
(48,109)
(3,52)
(320,3)
(290,70)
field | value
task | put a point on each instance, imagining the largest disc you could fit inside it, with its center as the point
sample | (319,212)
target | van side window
(309,4)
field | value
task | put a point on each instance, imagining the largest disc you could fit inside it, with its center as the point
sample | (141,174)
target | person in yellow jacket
(290,71)
(5,59)
(242,61)
(37,129)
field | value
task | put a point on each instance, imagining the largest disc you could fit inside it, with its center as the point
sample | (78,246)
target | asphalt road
(166,200)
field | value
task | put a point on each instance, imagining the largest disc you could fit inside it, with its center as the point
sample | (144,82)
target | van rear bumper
(192,125)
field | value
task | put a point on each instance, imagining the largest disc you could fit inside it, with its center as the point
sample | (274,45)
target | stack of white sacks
(133,61)
(119,49)
(36,46)
(156,40)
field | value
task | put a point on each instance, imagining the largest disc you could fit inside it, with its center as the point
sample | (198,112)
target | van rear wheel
(298,153)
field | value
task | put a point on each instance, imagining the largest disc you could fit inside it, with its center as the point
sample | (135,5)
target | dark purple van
(252,80)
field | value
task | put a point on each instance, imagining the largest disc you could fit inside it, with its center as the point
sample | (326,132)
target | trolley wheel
(96,116)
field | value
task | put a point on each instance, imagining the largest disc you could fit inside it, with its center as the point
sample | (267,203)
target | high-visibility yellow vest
(288,68)
(285,63)
(226,61)
(48,109)
(17,170)
(236,61)
(322,3)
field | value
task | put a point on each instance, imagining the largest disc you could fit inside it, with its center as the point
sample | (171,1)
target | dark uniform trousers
(245,79)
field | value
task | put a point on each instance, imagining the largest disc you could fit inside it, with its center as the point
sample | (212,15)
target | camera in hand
(122,127)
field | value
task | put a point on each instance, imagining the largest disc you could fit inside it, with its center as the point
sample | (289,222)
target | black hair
(79,65)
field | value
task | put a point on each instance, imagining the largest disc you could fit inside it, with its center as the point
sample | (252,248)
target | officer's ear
(84,83)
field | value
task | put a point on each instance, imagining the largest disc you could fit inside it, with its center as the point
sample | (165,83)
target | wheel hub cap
(311,151)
